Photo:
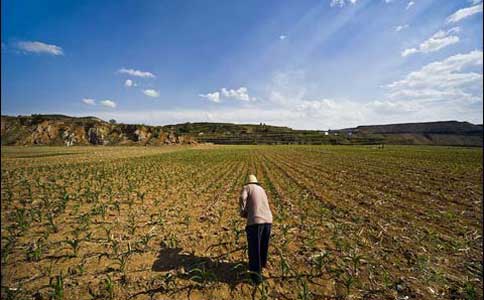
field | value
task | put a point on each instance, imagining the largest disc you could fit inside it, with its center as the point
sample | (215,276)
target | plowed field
(350,222)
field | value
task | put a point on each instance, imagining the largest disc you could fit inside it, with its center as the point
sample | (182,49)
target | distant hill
(452,133)
(66,130)
(445,127)
(228,133)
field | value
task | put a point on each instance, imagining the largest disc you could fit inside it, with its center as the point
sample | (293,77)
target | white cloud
(137,73)
(89,101)
(439,40)
(341,3)
(214,97)
(442,81)
(464,13)
(282,37)
(410,4)
(401,27)
(129,83)
(39,47)
(409,51)
(240,94)
(92,102)
(151,93)
(108,103)
(474,2)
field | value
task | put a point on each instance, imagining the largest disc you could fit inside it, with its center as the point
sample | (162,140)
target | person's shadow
(198,268)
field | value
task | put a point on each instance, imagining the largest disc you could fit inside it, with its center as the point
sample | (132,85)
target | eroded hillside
(69,131)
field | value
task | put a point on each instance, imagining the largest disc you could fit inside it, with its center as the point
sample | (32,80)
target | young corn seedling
(130,199)
(141,196)
(145,239)
(109,287)
(7,248)
(76,207)
(115,247)
(284,265)
(50,219)
(34,251)
(318,262)
(201,275)
(110,193)
(172,241)
(304,293)
(169,281)
(21,217)
(238,234)
(122,260)
(84,221)
(77,269)
(46,202)
(75,244)
(64,200)
(117,206)
(131,224)
(81,268)
(108,230)
(100,209)
(95,197)
(57,285)
(159,219)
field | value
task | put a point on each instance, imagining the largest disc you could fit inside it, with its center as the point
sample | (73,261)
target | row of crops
(162,223)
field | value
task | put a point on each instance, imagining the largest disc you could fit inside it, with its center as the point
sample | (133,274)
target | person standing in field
(254,206)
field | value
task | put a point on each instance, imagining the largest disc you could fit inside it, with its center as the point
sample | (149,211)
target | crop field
(350,222)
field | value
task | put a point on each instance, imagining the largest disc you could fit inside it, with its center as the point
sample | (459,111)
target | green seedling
(34,251)
(50,219)
(75,244)
(109,286)
(57,286)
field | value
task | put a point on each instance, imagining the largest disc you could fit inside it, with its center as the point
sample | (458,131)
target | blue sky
(304,64)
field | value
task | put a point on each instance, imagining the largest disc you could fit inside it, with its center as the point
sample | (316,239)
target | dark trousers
(258,243)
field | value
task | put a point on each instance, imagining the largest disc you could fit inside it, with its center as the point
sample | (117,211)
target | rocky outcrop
(143,135)
(70,131)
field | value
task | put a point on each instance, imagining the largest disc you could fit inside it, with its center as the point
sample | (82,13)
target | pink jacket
(254,205)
